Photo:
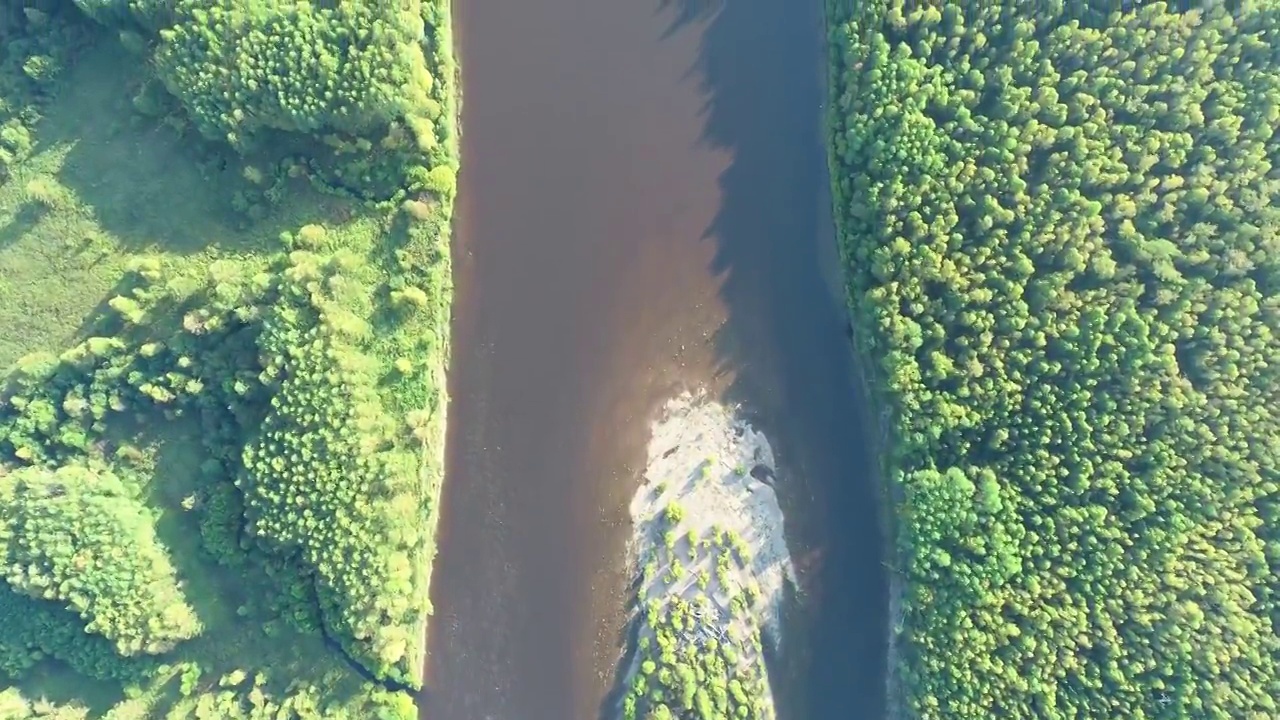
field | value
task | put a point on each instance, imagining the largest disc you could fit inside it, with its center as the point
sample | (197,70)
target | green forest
(1062,245)
(224,311)
(225,282)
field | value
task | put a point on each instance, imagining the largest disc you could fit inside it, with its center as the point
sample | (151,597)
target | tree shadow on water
(687,12)
(762,68)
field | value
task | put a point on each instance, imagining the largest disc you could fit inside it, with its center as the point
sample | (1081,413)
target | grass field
(106,185)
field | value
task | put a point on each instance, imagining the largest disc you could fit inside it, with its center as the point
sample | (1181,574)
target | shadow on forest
(21,224)
(138,177)
(761,66)
(226,599)
(147,184)
(57,683)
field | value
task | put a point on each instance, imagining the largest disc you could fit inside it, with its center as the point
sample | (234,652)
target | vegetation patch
(1058,222)
(220,436)
(35,47)
(75,536)
(712,565)
(355,88)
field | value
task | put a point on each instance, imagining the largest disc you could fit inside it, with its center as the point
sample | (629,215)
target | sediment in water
(712,564)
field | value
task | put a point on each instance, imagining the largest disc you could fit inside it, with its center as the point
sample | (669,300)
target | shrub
(15,138)
(46,193)
(317,487)
(441,181)
(134,42)
(75,536)
(411,297)
(311,237)
(418,210)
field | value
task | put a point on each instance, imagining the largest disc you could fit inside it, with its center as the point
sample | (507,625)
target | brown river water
(643,208)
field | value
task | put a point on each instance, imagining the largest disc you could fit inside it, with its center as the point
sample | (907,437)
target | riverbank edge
(432,467)
(877,405)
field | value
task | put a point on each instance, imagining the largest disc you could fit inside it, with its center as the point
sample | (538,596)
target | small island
(712,563)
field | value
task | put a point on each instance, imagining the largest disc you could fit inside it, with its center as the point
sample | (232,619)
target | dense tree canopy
(1062,239)
(76,536)
(346,85)
(239,66)
(36,629)
(321,479)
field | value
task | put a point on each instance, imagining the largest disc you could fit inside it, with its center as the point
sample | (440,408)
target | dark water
(642,209)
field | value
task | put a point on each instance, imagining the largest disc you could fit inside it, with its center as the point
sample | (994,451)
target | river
(642,208)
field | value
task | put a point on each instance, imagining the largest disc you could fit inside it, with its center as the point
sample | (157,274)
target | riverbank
(876,407)
(710,554)
(443,62)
